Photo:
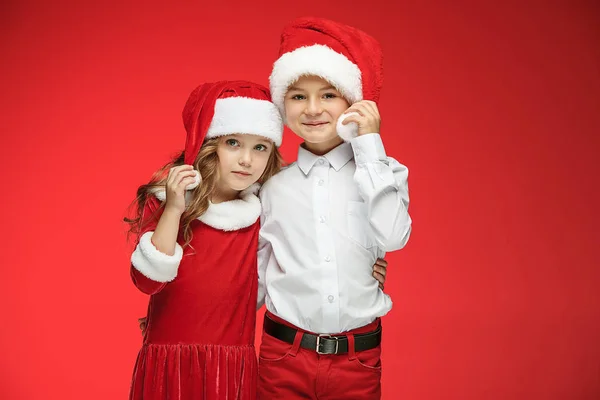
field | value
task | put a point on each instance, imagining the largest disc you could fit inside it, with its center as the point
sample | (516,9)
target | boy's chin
(317,138)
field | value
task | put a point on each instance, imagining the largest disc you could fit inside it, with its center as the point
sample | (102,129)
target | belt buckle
(337,344)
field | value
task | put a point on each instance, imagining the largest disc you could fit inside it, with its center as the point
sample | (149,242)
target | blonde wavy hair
(206,163)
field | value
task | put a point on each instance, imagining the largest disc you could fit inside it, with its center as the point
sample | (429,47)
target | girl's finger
(186,181)
(379,269)
(183,175)
(175,170)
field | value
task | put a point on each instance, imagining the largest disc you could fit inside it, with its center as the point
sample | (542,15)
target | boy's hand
(143,325)
(379,271)
(368,119)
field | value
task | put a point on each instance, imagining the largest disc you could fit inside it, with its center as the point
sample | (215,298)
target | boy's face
(312,108)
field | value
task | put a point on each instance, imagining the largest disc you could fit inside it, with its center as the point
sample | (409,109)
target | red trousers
(288,371)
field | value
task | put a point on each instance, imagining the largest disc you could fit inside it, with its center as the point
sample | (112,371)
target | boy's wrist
(368,148)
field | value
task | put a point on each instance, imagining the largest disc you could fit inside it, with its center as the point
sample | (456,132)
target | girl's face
(312,108)
(242,161)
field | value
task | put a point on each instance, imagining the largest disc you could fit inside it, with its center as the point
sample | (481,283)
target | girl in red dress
(196,254)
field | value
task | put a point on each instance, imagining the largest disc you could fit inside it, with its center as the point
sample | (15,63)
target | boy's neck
(323,148)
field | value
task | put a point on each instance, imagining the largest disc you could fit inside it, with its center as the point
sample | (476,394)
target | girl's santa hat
(346,57)
(226,108)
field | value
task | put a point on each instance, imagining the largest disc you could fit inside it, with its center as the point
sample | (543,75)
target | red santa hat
(346,57)
(225,108)
(229,107)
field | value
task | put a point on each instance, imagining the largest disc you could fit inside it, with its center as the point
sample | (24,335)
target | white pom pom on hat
(348,131)
(196,183)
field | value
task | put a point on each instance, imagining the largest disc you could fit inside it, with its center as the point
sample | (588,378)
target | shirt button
(330,298)
(322,219)
(327,258)
(321,182)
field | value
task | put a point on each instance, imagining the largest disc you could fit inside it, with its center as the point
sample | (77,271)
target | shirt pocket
(358,224)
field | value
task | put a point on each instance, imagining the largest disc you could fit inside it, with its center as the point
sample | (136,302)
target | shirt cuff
(154,264)
(368,148)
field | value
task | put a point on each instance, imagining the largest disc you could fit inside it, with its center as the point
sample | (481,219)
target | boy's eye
(261,147)
(297,97)
(232,142)
(330,95)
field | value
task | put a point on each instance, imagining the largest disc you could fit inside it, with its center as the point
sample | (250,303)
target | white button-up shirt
(325,221)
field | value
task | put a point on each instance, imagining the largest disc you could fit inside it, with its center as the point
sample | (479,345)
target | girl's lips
(241,173)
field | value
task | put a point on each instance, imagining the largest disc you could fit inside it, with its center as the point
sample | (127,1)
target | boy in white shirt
(327,218)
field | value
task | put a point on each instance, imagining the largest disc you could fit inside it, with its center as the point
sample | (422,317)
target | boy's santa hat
(225,108)
(346,57)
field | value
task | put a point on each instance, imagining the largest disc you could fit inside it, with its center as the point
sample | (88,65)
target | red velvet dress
(199,342)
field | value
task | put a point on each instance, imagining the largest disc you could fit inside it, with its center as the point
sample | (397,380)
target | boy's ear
(348,131)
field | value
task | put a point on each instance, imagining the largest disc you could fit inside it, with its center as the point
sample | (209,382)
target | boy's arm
(264,253)
(382,183)
(264,250)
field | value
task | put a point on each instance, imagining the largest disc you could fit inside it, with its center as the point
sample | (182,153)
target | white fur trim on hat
(348,131)
(317,60)
(245,115)
(154,264)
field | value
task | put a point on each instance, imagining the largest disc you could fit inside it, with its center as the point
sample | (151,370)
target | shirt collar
(337,157)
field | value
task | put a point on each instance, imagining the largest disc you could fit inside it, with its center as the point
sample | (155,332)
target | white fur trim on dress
(228,215)
(235,214)
(317,60)
(154,264)
(246,116)
(348,131)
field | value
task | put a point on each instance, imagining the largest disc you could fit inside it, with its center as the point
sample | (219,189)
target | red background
(495,110)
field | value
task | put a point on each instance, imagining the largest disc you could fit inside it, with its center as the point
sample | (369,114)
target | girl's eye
(261,147)
(297,97)
(330,95)
(232,142)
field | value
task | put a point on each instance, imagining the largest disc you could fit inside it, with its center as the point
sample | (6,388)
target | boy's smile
(312,108)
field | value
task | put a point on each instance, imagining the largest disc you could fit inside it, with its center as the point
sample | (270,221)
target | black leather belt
(323,344)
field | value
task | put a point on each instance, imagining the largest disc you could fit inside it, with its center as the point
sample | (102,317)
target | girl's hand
(368,119)
(177,181)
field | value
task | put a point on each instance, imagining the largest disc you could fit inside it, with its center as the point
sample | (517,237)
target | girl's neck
(221,195)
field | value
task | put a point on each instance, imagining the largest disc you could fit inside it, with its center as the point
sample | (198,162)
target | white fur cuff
(154,264)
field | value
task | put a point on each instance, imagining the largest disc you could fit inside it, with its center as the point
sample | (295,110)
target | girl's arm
(157,255)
